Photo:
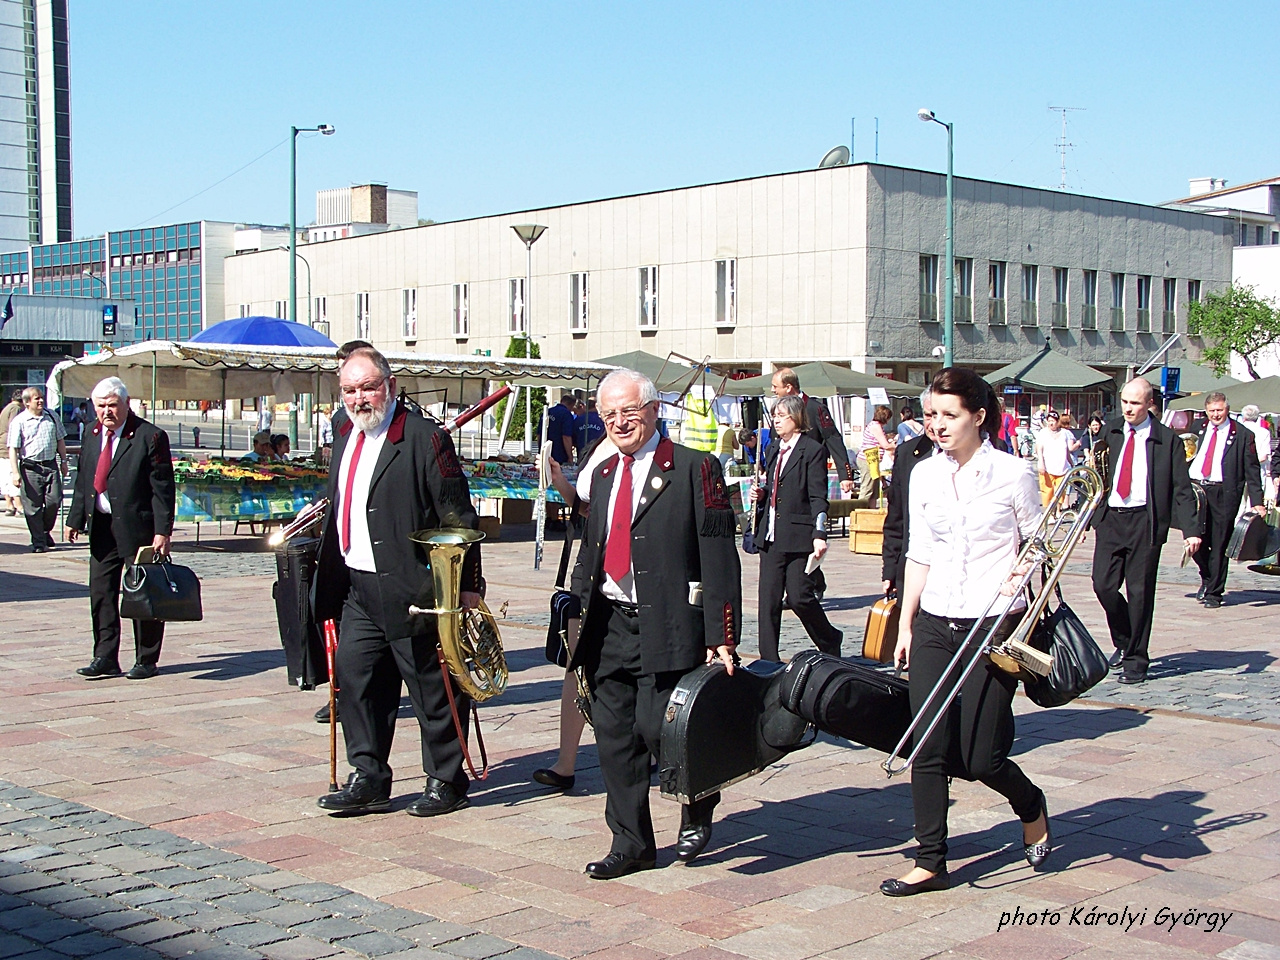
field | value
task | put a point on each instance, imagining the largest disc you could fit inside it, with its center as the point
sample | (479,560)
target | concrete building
(361,210)
(47,329)
(840,264)
(35,124)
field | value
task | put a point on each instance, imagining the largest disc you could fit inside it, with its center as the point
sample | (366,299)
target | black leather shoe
(692,841)
(39,548)
(99,669)
(142,671)
(438,798)
(1038,853)
(617,865)
(1116,661)
(897,888)
(1132,678)
(1200,593)
(322,715)
(1211,602)
(550,778)
(357,797)
(49,541)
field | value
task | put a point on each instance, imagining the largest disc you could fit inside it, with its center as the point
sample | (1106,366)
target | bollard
(195,437)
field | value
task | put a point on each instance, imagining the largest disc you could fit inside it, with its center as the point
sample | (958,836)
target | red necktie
(1125,478)
(1206,469)
(617,551)
(346,493)
(104,463)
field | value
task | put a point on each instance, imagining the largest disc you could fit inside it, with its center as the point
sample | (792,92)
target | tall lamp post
(529,233)
(948,318)
(327,130)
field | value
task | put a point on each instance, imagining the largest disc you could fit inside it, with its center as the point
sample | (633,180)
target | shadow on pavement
(24,586)
(241,544)
(1063,724)
(1179,664)
(229,666)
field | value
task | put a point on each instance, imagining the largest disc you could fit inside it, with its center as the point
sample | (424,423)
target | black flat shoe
(357,797)
(439,798)
(617,865)
(692,841)
(1116,661)
(897,888)
(142,671)
(550,778)
(1038,853)
(1211,602)
(99,669)
(1132,678)
(322,715)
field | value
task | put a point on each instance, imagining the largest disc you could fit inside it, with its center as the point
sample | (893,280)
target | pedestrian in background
(8,489)
(1251,417)
(909,428)
(37,442)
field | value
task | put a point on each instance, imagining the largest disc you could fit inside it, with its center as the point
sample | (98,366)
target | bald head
(1135,400)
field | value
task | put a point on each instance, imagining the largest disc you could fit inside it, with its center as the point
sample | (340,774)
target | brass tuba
(468,639)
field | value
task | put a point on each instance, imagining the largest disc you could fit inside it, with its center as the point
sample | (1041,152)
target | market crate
(866,531)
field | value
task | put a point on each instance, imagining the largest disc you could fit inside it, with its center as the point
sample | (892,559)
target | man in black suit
(821,428)
(1225,465)
(393,472)
(1148,490)
(124,496)
(897,521)
(791,527)
(661,590)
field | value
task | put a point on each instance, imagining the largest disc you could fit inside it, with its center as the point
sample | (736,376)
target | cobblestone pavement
(75,882)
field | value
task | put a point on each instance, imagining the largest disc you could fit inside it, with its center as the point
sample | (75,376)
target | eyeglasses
(368,388)
(625,415)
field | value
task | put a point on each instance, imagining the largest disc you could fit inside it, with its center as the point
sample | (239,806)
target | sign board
(109,321)
(1012,390)
(878,395)
(36,378)
(1170,379)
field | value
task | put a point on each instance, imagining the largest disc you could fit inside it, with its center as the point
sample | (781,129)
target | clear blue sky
(488,107)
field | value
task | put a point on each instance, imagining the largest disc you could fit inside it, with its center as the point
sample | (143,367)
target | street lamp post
(948,317)
(529,233)
(327,130)
(93,276)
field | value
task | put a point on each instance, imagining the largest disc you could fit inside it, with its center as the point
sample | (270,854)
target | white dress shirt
(784,454)
(625,592)
(603,451)
(1215,467)
(359,555)
(966,524)
(1138,481)
(1054,447)
(104,504)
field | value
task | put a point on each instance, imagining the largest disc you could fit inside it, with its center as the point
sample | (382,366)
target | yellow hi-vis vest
(700,430)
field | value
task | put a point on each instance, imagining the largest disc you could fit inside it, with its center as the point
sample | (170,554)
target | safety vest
(700,430)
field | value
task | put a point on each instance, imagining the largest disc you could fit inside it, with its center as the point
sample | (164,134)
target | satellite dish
(835,157)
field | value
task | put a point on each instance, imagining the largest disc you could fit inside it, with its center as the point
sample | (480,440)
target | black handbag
(160,591)
(1078,664)
(566,608)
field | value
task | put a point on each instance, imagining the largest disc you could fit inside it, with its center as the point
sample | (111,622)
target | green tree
(1234,321)
(516,348)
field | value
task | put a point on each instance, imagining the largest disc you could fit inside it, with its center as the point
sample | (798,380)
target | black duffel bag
(849,700)
(160,591)
(1078,664)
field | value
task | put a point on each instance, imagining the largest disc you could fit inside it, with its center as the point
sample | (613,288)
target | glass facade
(14,275)
(160,268)
(59,269)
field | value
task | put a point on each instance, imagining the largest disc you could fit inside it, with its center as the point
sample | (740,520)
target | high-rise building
(35,124)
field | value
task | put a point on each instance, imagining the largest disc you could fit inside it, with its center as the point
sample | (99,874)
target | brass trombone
(1047,550)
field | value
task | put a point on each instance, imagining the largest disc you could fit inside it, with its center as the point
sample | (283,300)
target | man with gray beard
(393,472)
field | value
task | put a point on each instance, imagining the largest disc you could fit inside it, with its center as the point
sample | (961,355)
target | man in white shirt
(37,443)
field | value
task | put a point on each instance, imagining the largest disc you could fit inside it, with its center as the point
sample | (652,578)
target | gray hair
(1250,411)
(110,387)
(793,407)
(926,396)
(372,354)
(648,392)
(31,393)
(1216,397)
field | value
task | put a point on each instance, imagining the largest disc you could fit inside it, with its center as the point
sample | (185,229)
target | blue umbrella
(262,332)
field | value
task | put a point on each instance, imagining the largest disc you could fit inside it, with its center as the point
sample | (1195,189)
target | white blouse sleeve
(1026,501)
(921,539)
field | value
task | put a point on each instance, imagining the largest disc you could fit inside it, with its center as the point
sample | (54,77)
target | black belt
(626,609)
(1141,509)
(27,462)
(1209,483)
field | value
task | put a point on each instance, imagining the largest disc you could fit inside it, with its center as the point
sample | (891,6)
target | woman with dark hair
(969,508)
(876,448)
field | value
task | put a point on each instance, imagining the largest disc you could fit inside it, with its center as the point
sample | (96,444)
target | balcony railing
(1169,321)
(962,309)
(1059,315)
(1117,318)
(995,313)
(928,307)
(1029,318)
(1089,317)
(1144,320)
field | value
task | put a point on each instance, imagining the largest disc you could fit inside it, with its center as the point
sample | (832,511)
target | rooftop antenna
(853,135)
(837,156)
(877,139)
(1063,143)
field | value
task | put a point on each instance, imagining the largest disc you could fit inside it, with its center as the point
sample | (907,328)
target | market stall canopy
(823,379)
(196,371)
(667,375)
(263,332)
(1193,378)
(1048,370)
(1265,393)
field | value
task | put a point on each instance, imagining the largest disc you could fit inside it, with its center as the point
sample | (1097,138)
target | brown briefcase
(882,630)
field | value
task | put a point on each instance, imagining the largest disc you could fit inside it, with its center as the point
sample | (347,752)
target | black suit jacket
(140,485)
(897,522)
(1240,468)
(802,497)
(822,430)
(417,485)
(1170,499)
(682,533)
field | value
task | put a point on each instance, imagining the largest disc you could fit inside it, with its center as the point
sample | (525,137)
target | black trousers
(41,498)
(371,668)
(1124,555)
(627,708)
(783,571)
(977,735)
(1220,521)
(106,566)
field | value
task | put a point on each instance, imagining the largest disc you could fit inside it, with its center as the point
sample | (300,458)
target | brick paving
(1169,801)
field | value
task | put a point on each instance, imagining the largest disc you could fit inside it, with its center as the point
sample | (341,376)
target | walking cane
(331,651)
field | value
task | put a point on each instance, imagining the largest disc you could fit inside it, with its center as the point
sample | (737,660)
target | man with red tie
(1226,465)
(661,590)
(393,472)
(1149,490)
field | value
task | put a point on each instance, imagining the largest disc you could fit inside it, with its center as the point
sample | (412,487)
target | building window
(578,302)
(1244,234)
(1193,297)
(928,287)
(516,315)
(320,310)
(647,304)
(1061,280)
(1089,309)
(1117,301)
(461,311)
(1144,304)
(996,292)
(1169,319)
(1275,237)
(1258,233)
(409,313)
(962,305)
(246,309)
(1193,291)
(281,309)
(362,316)
(726,293)
(1030,287)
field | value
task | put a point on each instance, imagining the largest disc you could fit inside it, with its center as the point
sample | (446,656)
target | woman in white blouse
(970,507)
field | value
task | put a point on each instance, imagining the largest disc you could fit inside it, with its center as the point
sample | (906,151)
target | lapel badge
(656,483)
